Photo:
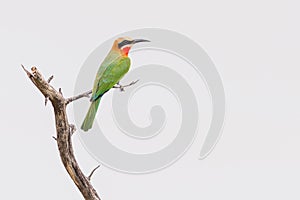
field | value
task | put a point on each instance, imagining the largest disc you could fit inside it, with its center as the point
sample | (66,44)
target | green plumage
(90,116)
(113,68)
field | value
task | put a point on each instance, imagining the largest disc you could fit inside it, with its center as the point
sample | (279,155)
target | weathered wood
(86,94)
(64,132)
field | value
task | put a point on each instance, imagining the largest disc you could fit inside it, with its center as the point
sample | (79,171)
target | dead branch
(64,132)
(86,94)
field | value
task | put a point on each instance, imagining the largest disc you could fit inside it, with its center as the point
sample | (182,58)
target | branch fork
(64,131)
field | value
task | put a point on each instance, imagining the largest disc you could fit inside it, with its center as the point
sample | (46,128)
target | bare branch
(86,94)
(60,91)
(122,87)
(50,79)
(64,132)
(92,172)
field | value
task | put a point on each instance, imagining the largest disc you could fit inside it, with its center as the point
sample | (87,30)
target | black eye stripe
(123,43)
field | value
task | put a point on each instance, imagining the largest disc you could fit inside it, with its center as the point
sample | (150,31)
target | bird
(115,65)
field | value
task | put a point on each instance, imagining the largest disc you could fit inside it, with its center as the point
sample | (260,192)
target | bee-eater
(112,69)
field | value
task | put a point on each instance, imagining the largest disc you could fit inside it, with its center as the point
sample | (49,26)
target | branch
(64,132)
(86,94)
(92,172)
(50,79)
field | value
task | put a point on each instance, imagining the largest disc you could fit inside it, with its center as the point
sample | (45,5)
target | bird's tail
(90,116)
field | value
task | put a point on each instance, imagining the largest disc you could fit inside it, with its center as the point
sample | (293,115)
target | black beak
(139,40)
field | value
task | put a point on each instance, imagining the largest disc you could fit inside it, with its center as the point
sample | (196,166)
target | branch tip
(27,72)
(50,79)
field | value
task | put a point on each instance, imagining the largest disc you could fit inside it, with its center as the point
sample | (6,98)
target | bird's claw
(122,87)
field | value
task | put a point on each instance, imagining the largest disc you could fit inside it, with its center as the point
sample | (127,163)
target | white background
(255,47)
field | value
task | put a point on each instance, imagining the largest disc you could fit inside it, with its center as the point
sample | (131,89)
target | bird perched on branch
(113,68)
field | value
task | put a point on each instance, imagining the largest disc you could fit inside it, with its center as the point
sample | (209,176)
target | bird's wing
(109,59)
(111,75)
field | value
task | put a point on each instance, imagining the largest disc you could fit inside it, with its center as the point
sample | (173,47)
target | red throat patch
(125,50)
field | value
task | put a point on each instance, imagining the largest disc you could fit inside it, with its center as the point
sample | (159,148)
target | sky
(254,46)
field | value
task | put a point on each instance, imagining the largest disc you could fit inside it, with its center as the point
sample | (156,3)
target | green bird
(113,68)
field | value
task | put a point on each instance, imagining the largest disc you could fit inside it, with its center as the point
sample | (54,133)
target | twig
(86,94)
(122,87)
(50,79)
(27,72)
(60,91)
(64,132)
(92,172)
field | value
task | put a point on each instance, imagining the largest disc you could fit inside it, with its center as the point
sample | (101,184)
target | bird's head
(124,44)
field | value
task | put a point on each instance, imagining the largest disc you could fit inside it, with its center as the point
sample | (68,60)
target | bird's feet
(122,87)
